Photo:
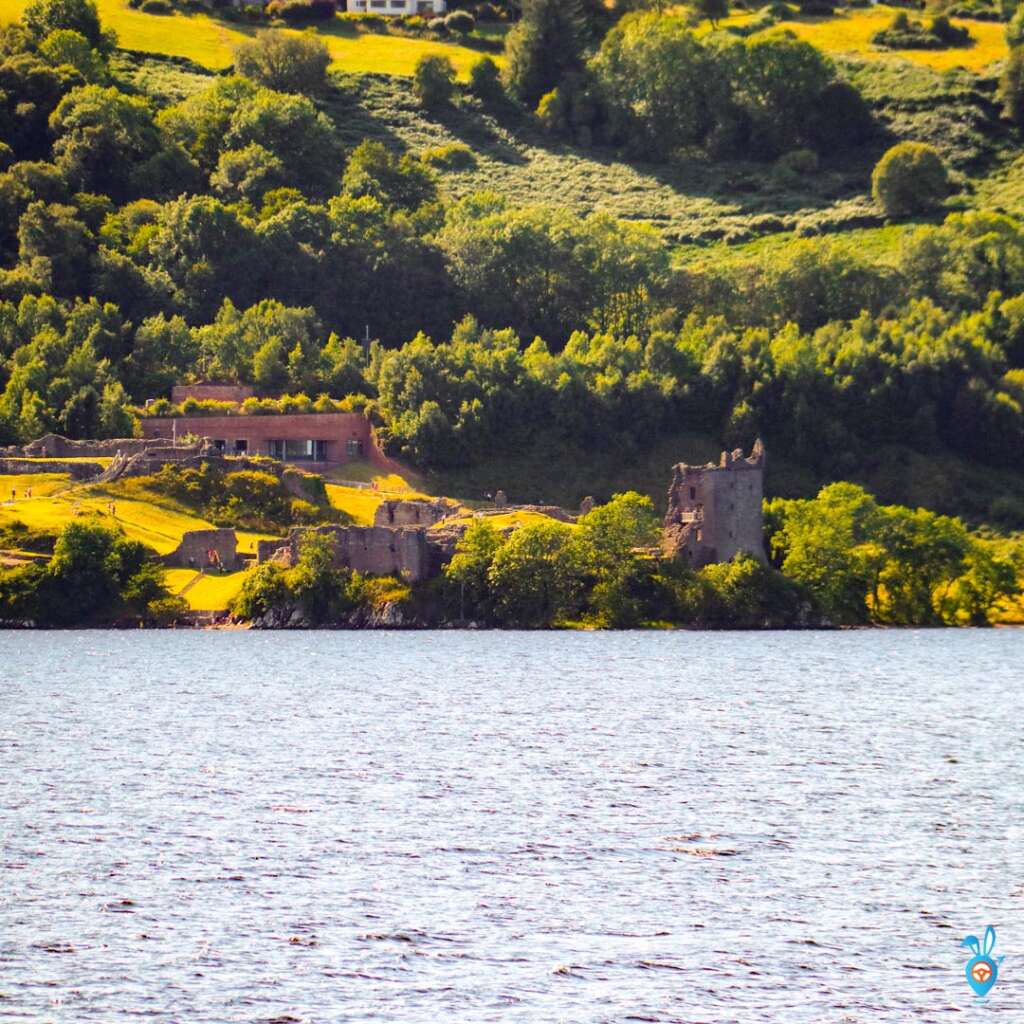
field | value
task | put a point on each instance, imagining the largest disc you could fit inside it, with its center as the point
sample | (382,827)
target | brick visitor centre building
(320,440)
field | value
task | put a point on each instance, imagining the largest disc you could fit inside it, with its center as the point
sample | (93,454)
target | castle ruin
(714,512)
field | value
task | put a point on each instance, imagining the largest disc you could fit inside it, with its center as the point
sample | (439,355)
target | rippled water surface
(433,827)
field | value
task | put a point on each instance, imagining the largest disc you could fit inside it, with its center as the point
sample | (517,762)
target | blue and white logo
(982,969)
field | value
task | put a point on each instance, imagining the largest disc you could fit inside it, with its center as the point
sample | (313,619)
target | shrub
(311,485)
(250,496)
(368,22)
(290,404)
(943,29)
(840,118)
(264,589)
(295,12)
(485,81)
(555,110)
(910,178)
(434,80)
(324,403)
(1011,86)
(42,17)
(157,7)
(159,407)
(165,611)
(305,513)
(378,591)
(454,157)
(1014,31)
(65,46)
(792,166)
(903,34)
(438,25)
(461,22)
(285,62)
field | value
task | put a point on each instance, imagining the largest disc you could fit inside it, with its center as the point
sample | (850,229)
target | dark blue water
(430,827)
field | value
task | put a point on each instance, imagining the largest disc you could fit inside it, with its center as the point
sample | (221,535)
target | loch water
(220,827)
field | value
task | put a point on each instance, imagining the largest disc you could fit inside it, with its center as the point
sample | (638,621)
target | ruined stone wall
(77,470)
(714,512)
(193,551)
(271,551)
(412,512)
(374,550)
(53,446)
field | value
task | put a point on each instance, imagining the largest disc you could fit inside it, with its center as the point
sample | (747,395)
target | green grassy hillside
(695,201)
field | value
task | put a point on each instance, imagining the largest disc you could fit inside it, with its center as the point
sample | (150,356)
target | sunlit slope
(209,42)
(56,501)
(848,33)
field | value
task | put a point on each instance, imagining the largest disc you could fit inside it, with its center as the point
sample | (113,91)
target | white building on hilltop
(395,8)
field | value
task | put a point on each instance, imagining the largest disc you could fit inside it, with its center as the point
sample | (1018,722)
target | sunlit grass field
(159,528)
(882,244)
(358,502)
(42,485)
(209,42)
(367,473)
(515,520)
(55,502)
(848,33)
(206,592)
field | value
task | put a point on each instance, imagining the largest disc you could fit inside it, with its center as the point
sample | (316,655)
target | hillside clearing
(55,502)
(209,41)
(848,33)
(42,485)
(358,502)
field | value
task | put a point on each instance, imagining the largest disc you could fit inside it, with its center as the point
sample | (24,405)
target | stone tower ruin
(714,512)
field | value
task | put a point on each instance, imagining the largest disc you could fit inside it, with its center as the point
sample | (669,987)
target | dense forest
(235,235)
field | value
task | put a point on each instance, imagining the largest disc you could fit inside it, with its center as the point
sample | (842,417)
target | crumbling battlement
(714,512)
(375,550)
